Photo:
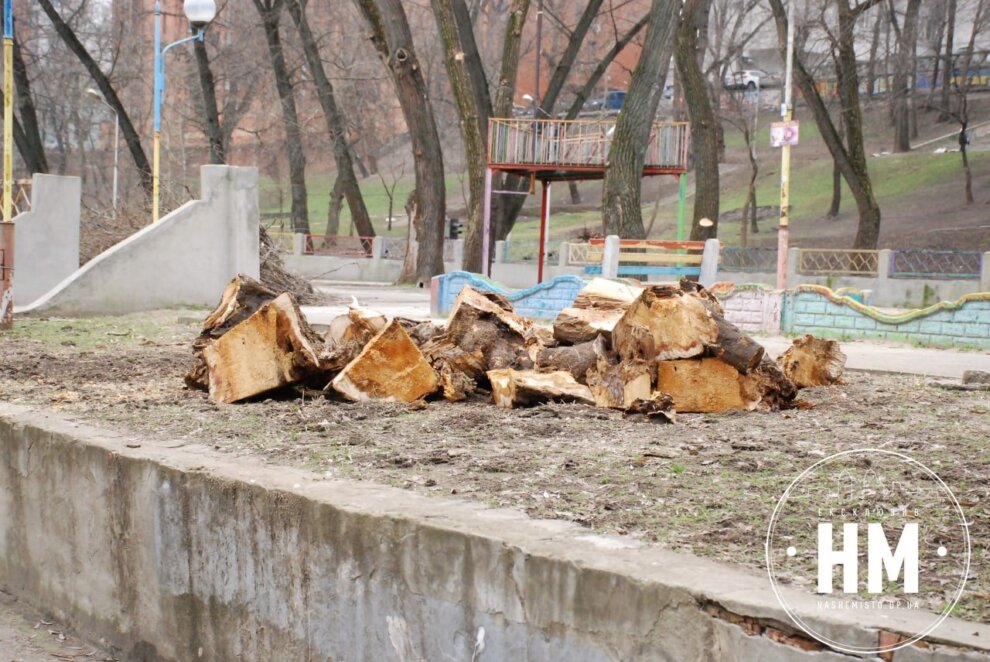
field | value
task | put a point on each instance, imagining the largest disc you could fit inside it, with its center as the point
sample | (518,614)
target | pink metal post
(6,275)
(486,266)
(544,222)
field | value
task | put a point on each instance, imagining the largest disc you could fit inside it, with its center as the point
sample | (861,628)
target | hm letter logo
(879,558)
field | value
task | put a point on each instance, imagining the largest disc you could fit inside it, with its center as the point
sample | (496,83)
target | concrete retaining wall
(176,552)
(818,310)
(541,301)
(46,244)
(186,258)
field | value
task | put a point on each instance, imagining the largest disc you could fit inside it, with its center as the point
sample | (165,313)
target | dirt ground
(706,484)
(26,635)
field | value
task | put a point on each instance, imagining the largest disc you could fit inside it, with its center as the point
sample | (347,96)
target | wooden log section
(664,323)
(272,348)
(390,368)
(241,298)
(575,359)
(707,385)
(618,386)
(522,388)
(595,311)
(811,361)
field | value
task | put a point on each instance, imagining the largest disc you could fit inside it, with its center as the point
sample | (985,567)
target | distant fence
(838,262)
(923,263)
(748,259)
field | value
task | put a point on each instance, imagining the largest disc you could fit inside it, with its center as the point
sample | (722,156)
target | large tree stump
(272,348)
(521,388)
(595,311)
(241,298)
(811,361)
(664,323)
(390,368)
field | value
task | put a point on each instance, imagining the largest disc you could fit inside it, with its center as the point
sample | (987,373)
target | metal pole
(7,226)
(158,89)
(486,239)
(787,114)
(681,206)
(8,110)
(537,99)
(116,160)
(544,223)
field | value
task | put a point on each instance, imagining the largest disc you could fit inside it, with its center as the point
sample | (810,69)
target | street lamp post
(7,224)
(116,144)
(199,13)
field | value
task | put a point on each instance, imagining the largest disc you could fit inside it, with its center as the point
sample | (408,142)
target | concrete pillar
(298,243)
(793,259)
(610,257)
(709,262)
(458,253)
(377,248)
(985,273)
(562,252)
(884,256)
(499,252)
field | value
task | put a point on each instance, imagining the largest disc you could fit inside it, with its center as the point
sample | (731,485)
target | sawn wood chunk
(521,388)
(811,361)
(390,367)
(664,323)
(595,311)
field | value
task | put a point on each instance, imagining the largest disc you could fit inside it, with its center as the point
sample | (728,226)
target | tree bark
(474,141)
(392,38)
(950,32)
(131,137)
(333,211)
(211,112)
(621,212)
(852,159)
(347,183)
(271,12)
(704,125)
(907,36)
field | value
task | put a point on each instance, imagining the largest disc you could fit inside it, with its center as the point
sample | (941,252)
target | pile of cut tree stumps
(646,350)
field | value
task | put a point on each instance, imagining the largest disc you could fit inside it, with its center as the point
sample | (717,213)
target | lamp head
(528,97)
(199,12)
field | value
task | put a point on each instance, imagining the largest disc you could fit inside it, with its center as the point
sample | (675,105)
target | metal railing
(838,262)
(577,254)
(925,263)
(749,259)
(579,143)
(394,248)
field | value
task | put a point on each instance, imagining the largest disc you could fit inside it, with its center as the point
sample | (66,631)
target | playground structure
(552,150)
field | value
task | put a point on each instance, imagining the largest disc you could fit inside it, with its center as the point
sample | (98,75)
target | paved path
(863,355)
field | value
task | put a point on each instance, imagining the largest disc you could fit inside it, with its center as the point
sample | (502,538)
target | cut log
(575,359)
(811,361)
(390,368)
(618,386)
(485,322)
(359,324)
(272,348)
(664,323)
(595,311)
(242,297)
(521,388)
(732,346)
(707,385)
(420,332)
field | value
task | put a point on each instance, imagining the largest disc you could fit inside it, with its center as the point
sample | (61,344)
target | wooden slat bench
(649,257)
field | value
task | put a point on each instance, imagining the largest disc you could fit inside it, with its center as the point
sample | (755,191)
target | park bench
(613,257)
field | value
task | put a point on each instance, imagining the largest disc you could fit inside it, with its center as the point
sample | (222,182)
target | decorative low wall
(46,238)
(186,258)
(818,310)
(753,308)
(179,552)
(541,301)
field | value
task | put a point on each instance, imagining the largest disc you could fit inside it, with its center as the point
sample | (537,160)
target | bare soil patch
(706,484)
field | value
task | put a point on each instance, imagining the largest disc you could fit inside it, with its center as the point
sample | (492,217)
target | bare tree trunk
(474,142)
(392,39)
(211,113)
(704,124)
(836,205)
(950,32)
(963,143)
(346,182)
(271,12)
(575,192)
(871,67)
(34,157)
(907,38)
(621,212)
(131,137)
